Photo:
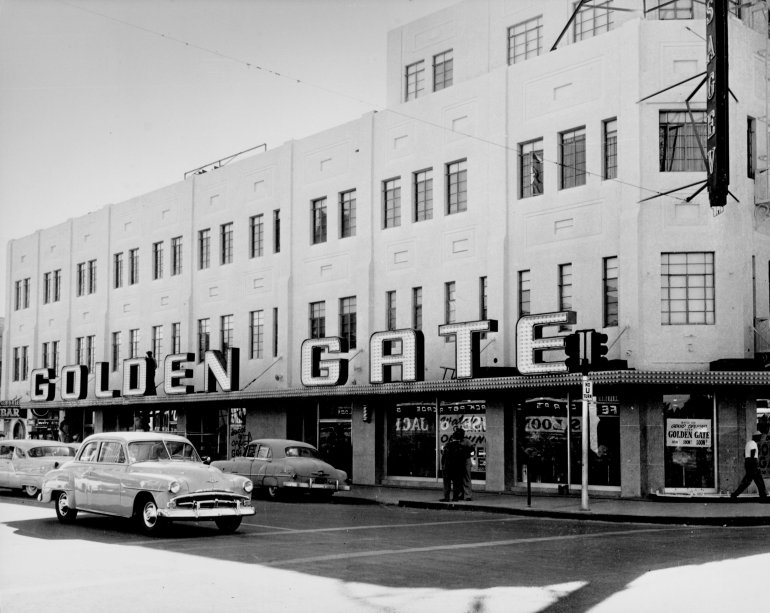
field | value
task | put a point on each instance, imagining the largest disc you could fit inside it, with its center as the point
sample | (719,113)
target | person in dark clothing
(751,464)
(452,465)
(468,450)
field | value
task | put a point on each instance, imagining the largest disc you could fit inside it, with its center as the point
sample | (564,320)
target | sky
(104,100)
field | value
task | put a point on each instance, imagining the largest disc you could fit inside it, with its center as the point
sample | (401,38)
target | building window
(687,288)
(592,20)
(277,231)
(115,358)
(531,168)
(176,337)
(176,256)
(442,70)
(423,195)
(57,285)
(117,270)
(91,276)
(390,310)
(457,186)
(25,285)
(415,80)
(81,279)
(317,319)
(256,236)
(157,260)
(47,287)
(676,9)
(417,308)
(751,147)
(391,193)
(348,320)
(90,342)
(20,363)
(610,144)
(157,343)
(133,266)
(51,355)
(318,212)
(204,248)
(257,334)
(80,349)
(572,157)
(525,307)
(226,331)
(565,290)
(275,332)
(678,136)
(610,291)
(450,306)
(226,243)
(347,213)
(133,343)
(525,40)
(204,337)
(483,304)
(44,352)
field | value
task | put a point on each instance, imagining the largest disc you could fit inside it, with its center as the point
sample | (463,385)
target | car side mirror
(206,459)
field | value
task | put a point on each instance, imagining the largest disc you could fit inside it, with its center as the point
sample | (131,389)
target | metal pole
(584,437)
(529,486)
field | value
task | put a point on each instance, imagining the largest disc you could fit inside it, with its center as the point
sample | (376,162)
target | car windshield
(144,451)
(58,451)
(301,452)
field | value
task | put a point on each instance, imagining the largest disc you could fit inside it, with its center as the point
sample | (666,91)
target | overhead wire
(373,106)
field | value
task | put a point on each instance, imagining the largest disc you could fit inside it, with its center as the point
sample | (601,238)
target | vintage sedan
(280,465)
(150,477)
(24,462)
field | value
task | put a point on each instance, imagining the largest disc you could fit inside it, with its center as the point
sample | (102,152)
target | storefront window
(763,426)
(543,427)
(412,450)
(471,417)
(239,436)
(334,437)
(689,451)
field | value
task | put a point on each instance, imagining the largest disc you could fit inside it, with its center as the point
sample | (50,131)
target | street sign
(588,390)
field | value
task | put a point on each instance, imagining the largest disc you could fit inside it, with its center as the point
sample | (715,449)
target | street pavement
(747,510)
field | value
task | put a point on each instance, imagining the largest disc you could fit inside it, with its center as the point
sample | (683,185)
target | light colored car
(151,477)
(276,465)
(24,462)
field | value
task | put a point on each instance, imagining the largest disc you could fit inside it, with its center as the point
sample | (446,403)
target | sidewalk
(713,511)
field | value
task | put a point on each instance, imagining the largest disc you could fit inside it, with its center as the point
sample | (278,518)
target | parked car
(24,462)
(151,477)
(277,465)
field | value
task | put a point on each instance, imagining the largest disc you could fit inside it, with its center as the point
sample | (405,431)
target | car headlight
(174,487)
(248,486)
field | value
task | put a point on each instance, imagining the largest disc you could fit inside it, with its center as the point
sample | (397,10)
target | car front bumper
(207,510)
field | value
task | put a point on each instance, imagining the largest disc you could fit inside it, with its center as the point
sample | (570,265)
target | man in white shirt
(751,463)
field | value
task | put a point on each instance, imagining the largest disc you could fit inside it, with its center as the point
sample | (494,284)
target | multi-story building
(508,177)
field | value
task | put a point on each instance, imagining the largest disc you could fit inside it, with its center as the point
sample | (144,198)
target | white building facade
(504,179)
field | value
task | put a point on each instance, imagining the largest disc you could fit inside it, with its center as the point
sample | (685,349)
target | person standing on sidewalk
(452,467)
(751,464)
(468,452)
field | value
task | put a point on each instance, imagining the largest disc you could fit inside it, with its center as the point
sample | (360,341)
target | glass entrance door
(690,451)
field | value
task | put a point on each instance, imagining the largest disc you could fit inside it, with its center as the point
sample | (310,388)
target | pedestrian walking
(751,464)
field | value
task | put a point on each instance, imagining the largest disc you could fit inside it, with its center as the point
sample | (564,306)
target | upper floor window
(81,279)
(531,168)
(347,213)
(57,285)
(442,70)
(483,299)
(133,266)
(450,302)
(115,358)
(133,343)
(525,40)
(415,80)
(525,307)
(21,293)
(687,288)
(417,308)
(157,343)
(204,337)
(277,231)
(157,260)
(226,331)
(751,147)
(593,19)
(348,320)
(318,211)
(610,146)
(317,319)
(572,157)
(256,236)
(423,195)
(91,276)
(565,290)
(678,136)
(391,194)
(117,270)
(610,290)
(257,334)
(390,310)
(176,337)
(20,363)
(204,248)
(676,9)
(226,243)
(47,287)
(176,255)
(457,186)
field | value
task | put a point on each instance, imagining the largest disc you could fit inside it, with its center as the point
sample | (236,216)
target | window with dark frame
(57,285)
(415,80)
(676,9)
(678,137)
(687,288)
(390,310)
(391,196)
(256,334)
(204,248)
(317,319)
(347,326)
(525,40)
(157,343)
(133,343)
(483,304)
(450,306)
(423,194)
(47,288)
(417,308)
(157,260)
(348,213)
(117,270)
(176,337)
(204,337)
(275,332)
(115,357)
(610,290)
(525,307)
(226,243)
(572,158)
(593,19)
(277,231)
(133,266)
(81,279)
(318,214)
(565,290)
(457,186)
(442,70)
(610,146)
(176,256)
(225,333)
(256,236)
(751,147)
(531,168)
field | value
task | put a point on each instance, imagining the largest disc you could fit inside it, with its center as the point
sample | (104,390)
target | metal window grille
(676,9)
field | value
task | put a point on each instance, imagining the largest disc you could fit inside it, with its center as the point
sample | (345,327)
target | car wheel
(228,525)
(273,492)
(31,490)
(146,515)
(64,512)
